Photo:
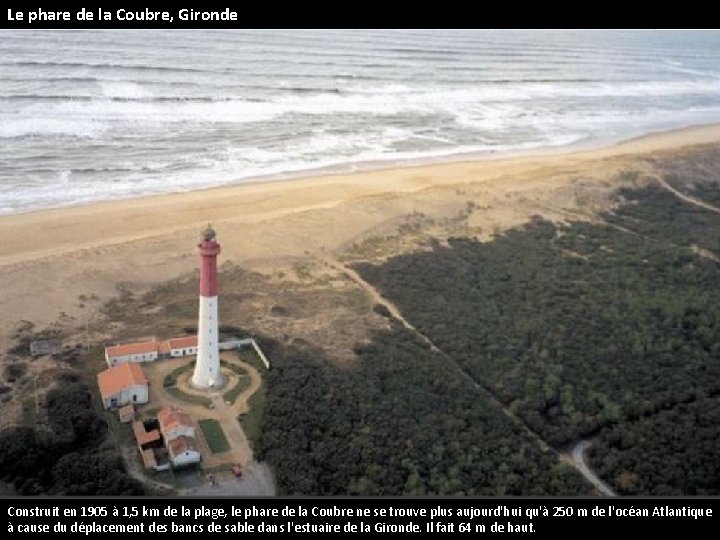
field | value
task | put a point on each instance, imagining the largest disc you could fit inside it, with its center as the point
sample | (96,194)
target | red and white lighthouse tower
(207,372)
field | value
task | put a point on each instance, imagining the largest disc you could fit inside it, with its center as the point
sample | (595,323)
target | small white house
(122,385)
(174,423)
(183,451)
(146,351)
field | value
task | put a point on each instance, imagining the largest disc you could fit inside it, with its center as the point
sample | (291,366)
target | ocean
(98,115)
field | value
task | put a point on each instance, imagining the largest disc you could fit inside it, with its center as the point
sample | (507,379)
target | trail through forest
(579,462)
(581,466)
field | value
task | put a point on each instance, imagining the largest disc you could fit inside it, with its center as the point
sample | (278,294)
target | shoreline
(53,257)
(376,166)
(405,178)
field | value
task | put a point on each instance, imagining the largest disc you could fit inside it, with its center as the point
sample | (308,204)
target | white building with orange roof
(174,423)
(183,346)
(178,432)
(183,451)
(149,351)
(144,351)
(123,384)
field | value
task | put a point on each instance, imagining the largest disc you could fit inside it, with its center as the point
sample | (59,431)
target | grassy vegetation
(26,334)
(115,308)
(172,377)
(239,370)
(15,371)
(303,270)
(190,398)
(123,433)
(29,415)
(170,381)
(214,435)
(373,247)
(181,310)
(250,356)
(243,382)
(252,421)
(357,301)
(164,477)
(71,454)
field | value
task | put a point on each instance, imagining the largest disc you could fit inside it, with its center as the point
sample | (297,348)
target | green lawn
(252,421)
(243,382)
(170,381)
(249,354)
(214,435)
(184,396)
(231,395)
(172,377)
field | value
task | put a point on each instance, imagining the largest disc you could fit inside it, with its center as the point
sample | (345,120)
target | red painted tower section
(209,249)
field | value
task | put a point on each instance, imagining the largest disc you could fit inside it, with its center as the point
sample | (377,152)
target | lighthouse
(207,372)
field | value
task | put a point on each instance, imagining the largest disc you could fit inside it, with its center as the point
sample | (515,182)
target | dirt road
(578,458)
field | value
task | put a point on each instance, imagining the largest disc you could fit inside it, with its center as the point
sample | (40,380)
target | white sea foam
(487,104)
(237,164)
(123,89)
(49,126)
(112,120)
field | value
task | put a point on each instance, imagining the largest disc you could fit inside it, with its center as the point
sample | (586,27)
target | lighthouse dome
(209,233)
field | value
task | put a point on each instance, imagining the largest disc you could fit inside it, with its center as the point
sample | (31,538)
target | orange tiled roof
(127,410)
(115,379)
(173,417)
(144,437)
(148,457)
(180,445)
(183,342)
(142,347)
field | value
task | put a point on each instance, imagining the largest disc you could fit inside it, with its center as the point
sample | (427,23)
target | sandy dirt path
(578,459)
(687,198)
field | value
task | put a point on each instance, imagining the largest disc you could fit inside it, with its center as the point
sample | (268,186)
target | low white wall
(237,343)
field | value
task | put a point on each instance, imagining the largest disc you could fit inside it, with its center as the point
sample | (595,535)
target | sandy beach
(50,258)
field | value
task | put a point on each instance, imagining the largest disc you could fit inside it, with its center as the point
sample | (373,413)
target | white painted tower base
(207,372)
